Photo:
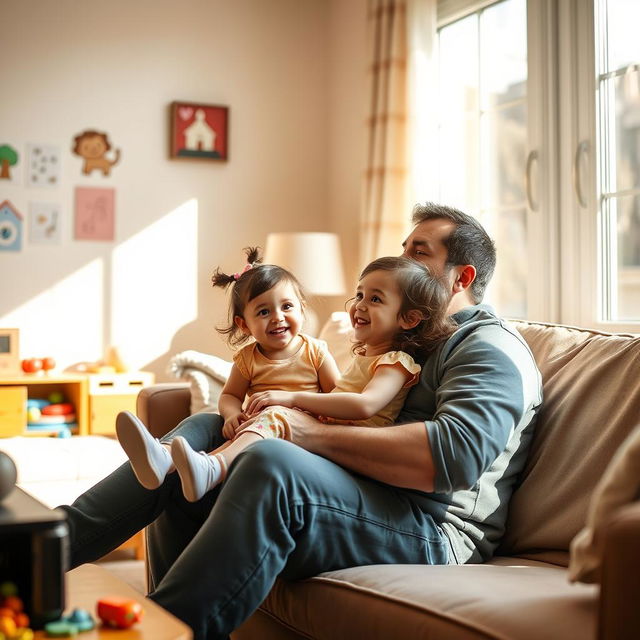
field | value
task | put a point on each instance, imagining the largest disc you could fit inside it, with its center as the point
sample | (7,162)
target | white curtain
(422,82)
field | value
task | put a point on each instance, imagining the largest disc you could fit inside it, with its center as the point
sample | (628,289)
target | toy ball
(56,397)
(8,475)
(33,414)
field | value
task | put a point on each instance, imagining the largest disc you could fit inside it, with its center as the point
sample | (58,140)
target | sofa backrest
(591,386)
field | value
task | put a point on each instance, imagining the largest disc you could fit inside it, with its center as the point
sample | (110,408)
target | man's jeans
(282,511)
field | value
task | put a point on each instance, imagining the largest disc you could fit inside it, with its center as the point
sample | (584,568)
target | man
(432,489)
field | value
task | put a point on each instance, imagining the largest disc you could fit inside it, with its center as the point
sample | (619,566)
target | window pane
(458,161)
(504,144)
(459,66)
(482,147)
(509,230)
(503,57)
(625,167)
(628,232)
(619,159)
(623,16)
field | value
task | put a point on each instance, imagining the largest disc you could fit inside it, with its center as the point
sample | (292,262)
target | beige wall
(292,72)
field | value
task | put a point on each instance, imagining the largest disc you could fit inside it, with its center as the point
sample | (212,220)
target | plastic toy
(60,629)
(14,622)
(33,414)
(46,415)
(56,397)
(81,619)
(8,589)
(32,365)
(59,409)
(119,612)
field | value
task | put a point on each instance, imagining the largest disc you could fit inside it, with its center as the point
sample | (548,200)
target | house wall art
(199,131)
(10,227)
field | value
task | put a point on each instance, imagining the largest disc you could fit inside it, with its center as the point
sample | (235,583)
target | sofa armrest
(619,615)
(163,406)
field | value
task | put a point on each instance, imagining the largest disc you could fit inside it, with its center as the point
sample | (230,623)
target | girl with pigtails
(398,315)
(267,304)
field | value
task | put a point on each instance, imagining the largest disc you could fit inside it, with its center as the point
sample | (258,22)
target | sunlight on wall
(64,321)
(154,285)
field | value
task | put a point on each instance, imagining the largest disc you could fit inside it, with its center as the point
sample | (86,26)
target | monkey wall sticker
(92,146)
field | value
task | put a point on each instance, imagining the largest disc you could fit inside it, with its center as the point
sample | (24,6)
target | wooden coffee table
(88,583)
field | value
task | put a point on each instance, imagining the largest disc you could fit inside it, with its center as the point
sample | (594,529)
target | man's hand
(398,455)
(232,425)
(264,399)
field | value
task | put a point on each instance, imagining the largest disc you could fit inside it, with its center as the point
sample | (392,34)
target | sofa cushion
(505,598)
(583,421)
(619,486)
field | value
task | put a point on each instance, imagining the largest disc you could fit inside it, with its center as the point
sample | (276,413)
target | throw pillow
(619,485)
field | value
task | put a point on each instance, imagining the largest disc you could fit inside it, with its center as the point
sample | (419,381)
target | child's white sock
(149,458)
(198,471)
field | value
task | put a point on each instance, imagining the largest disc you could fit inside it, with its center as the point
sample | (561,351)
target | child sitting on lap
(398,315)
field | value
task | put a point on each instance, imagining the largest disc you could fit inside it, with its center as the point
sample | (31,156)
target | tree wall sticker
(8,158)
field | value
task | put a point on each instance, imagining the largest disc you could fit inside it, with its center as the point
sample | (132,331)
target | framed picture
(43,165)
(95,214)
(44,222)
(199,131)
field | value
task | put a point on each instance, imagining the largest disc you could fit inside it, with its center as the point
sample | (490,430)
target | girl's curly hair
(422,292)
(253,281)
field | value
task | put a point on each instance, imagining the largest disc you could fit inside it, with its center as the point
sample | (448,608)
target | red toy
(32,365)
(119,612)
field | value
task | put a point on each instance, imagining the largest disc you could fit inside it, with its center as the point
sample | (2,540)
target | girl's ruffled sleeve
(404,361)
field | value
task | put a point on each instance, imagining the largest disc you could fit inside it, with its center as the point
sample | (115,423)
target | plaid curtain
(385,212)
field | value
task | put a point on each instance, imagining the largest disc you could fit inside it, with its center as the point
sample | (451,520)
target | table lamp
(315,259)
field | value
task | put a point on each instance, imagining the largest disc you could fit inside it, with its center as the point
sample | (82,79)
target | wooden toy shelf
(14,391)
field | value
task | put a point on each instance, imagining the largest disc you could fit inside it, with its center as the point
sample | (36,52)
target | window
(539,137)
(482,134)
(618,150)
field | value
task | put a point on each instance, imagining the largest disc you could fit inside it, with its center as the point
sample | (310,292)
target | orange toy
(119,612)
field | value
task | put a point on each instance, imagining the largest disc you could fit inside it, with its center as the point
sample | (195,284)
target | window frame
(565,232)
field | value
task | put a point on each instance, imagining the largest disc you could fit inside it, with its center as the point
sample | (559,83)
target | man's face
(426,244)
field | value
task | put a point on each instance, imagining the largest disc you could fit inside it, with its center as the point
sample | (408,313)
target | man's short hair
(469,243)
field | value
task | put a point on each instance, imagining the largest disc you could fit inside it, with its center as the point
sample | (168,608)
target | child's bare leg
(199,471)
(232,448)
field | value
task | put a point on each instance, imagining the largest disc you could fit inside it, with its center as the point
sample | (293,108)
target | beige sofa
(592,402)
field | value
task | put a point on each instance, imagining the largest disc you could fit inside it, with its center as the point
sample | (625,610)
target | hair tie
(246,268)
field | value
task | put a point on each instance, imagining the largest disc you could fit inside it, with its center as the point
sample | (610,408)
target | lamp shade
(313,257)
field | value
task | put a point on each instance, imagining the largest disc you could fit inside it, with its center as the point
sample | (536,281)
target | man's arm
(397,455)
